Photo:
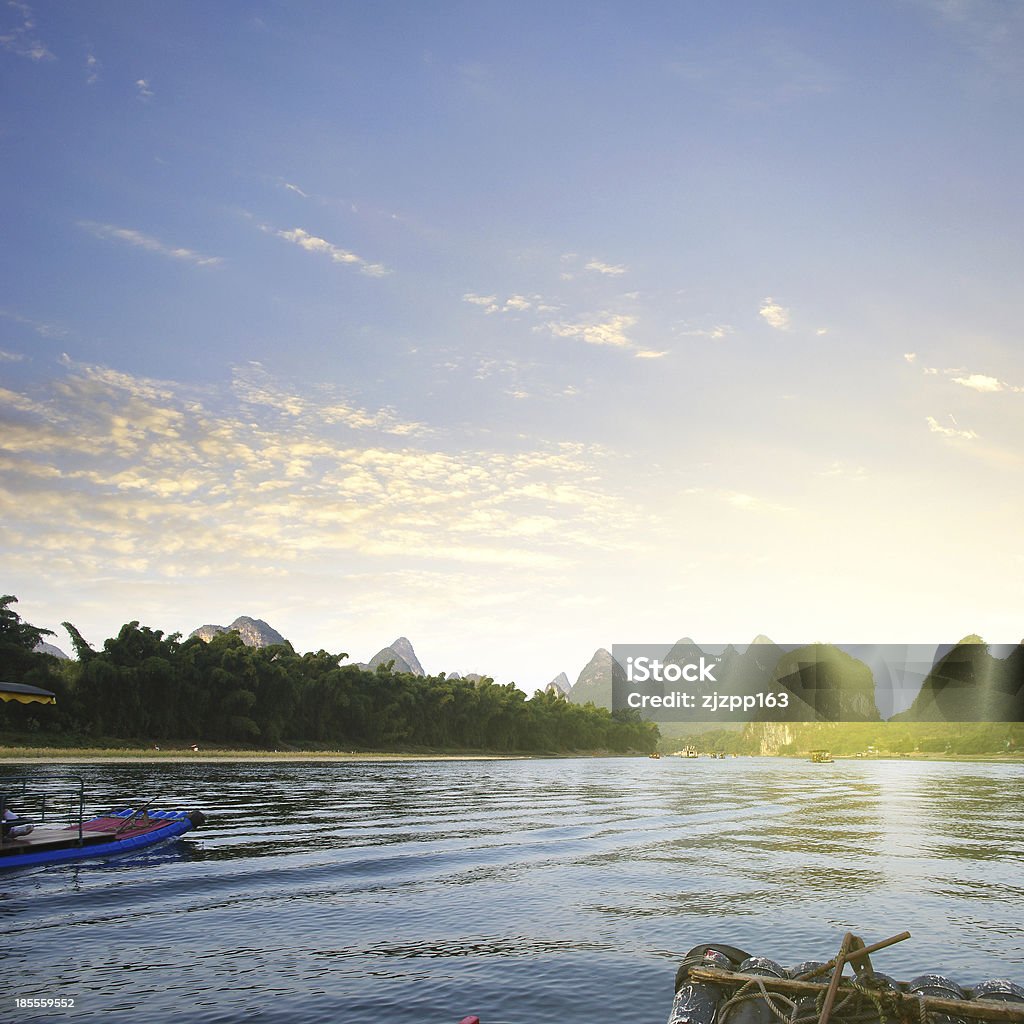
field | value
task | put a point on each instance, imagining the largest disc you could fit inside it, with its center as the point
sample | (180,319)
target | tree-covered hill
(146,686)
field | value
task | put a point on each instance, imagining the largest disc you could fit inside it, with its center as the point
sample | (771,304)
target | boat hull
(105,836)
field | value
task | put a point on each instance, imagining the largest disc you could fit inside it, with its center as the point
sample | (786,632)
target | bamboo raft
(807,997)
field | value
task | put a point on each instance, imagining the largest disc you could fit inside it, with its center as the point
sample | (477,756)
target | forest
(146,687)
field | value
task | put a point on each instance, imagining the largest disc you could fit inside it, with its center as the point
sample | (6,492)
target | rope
(850,1009)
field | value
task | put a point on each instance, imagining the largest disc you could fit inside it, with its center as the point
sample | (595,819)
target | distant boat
(655,756)
(821,757)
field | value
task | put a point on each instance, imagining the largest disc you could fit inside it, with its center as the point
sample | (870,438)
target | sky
(516,329)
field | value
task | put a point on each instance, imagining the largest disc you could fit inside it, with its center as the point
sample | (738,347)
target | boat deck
(54,839)
(106,829)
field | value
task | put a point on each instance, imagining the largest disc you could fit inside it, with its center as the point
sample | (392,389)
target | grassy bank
(66,750)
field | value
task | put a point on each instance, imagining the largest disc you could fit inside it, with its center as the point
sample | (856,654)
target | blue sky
(516,329)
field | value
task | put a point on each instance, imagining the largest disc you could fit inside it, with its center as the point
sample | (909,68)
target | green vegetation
(145,687)
(848,739)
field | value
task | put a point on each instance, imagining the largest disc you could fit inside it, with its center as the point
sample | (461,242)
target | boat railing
(23,792)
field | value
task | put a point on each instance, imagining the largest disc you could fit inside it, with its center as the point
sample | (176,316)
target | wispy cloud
(955,432)
(152,476)
(604,329)
(295,188)
(750,503)
(845,470)
(513,304)
(43,329)
(715,333)
(774,315)
(741,500)
(606,268)
(129,236)
(144,91)
(985,384)
(256,387)
(10,357)
(21,38)
(311,243)
(993,32)
(92,69)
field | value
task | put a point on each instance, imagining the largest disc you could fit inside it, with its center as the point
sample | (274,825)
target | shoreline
(137,755)
(215,756)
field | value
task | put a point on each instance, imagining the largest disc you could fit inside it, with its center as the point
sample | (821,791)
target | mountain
(967,684)
(594,683)
(825,684)
(254,632)
(401,653)
(560,685)
(44,648)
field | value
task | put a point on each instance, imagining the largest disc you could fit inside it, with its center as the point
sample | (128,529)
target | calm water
(525,891)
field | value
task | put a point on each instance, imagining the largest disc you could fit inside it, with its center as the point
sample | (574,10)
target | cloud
(92,69)
(910,357)
(295,188)
(843,469)
(606,268)
(606,329)
(740,500)
(21,38)
(985,384)
(513,304)
(137,475)
(10,357)
(774,315)
(953,432)
(43,329)
(981,382)
(256,387)
(145,93)
(716,332)
(311,243)
(992,32)
(129,236)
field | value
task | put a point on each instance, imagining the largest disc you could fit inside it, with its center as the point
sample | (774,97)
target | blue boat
(104,835)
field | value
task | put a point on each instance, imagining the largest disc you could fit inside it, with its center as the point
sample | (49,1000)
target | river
(416,892)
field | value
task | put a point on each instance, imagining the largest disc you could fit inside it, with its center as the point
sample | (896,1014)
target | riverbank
(58,755)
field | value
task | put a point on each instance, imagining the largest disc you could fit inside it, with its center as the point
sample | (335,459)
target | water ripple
(523,890)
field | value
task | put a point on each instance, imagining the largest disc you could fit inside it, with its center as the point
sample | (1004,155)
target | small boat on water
(821,757)
(103,835)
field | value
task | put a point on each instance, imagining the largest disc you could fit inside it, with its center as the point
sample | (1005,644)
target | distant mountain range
(968,681)
(968,684)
